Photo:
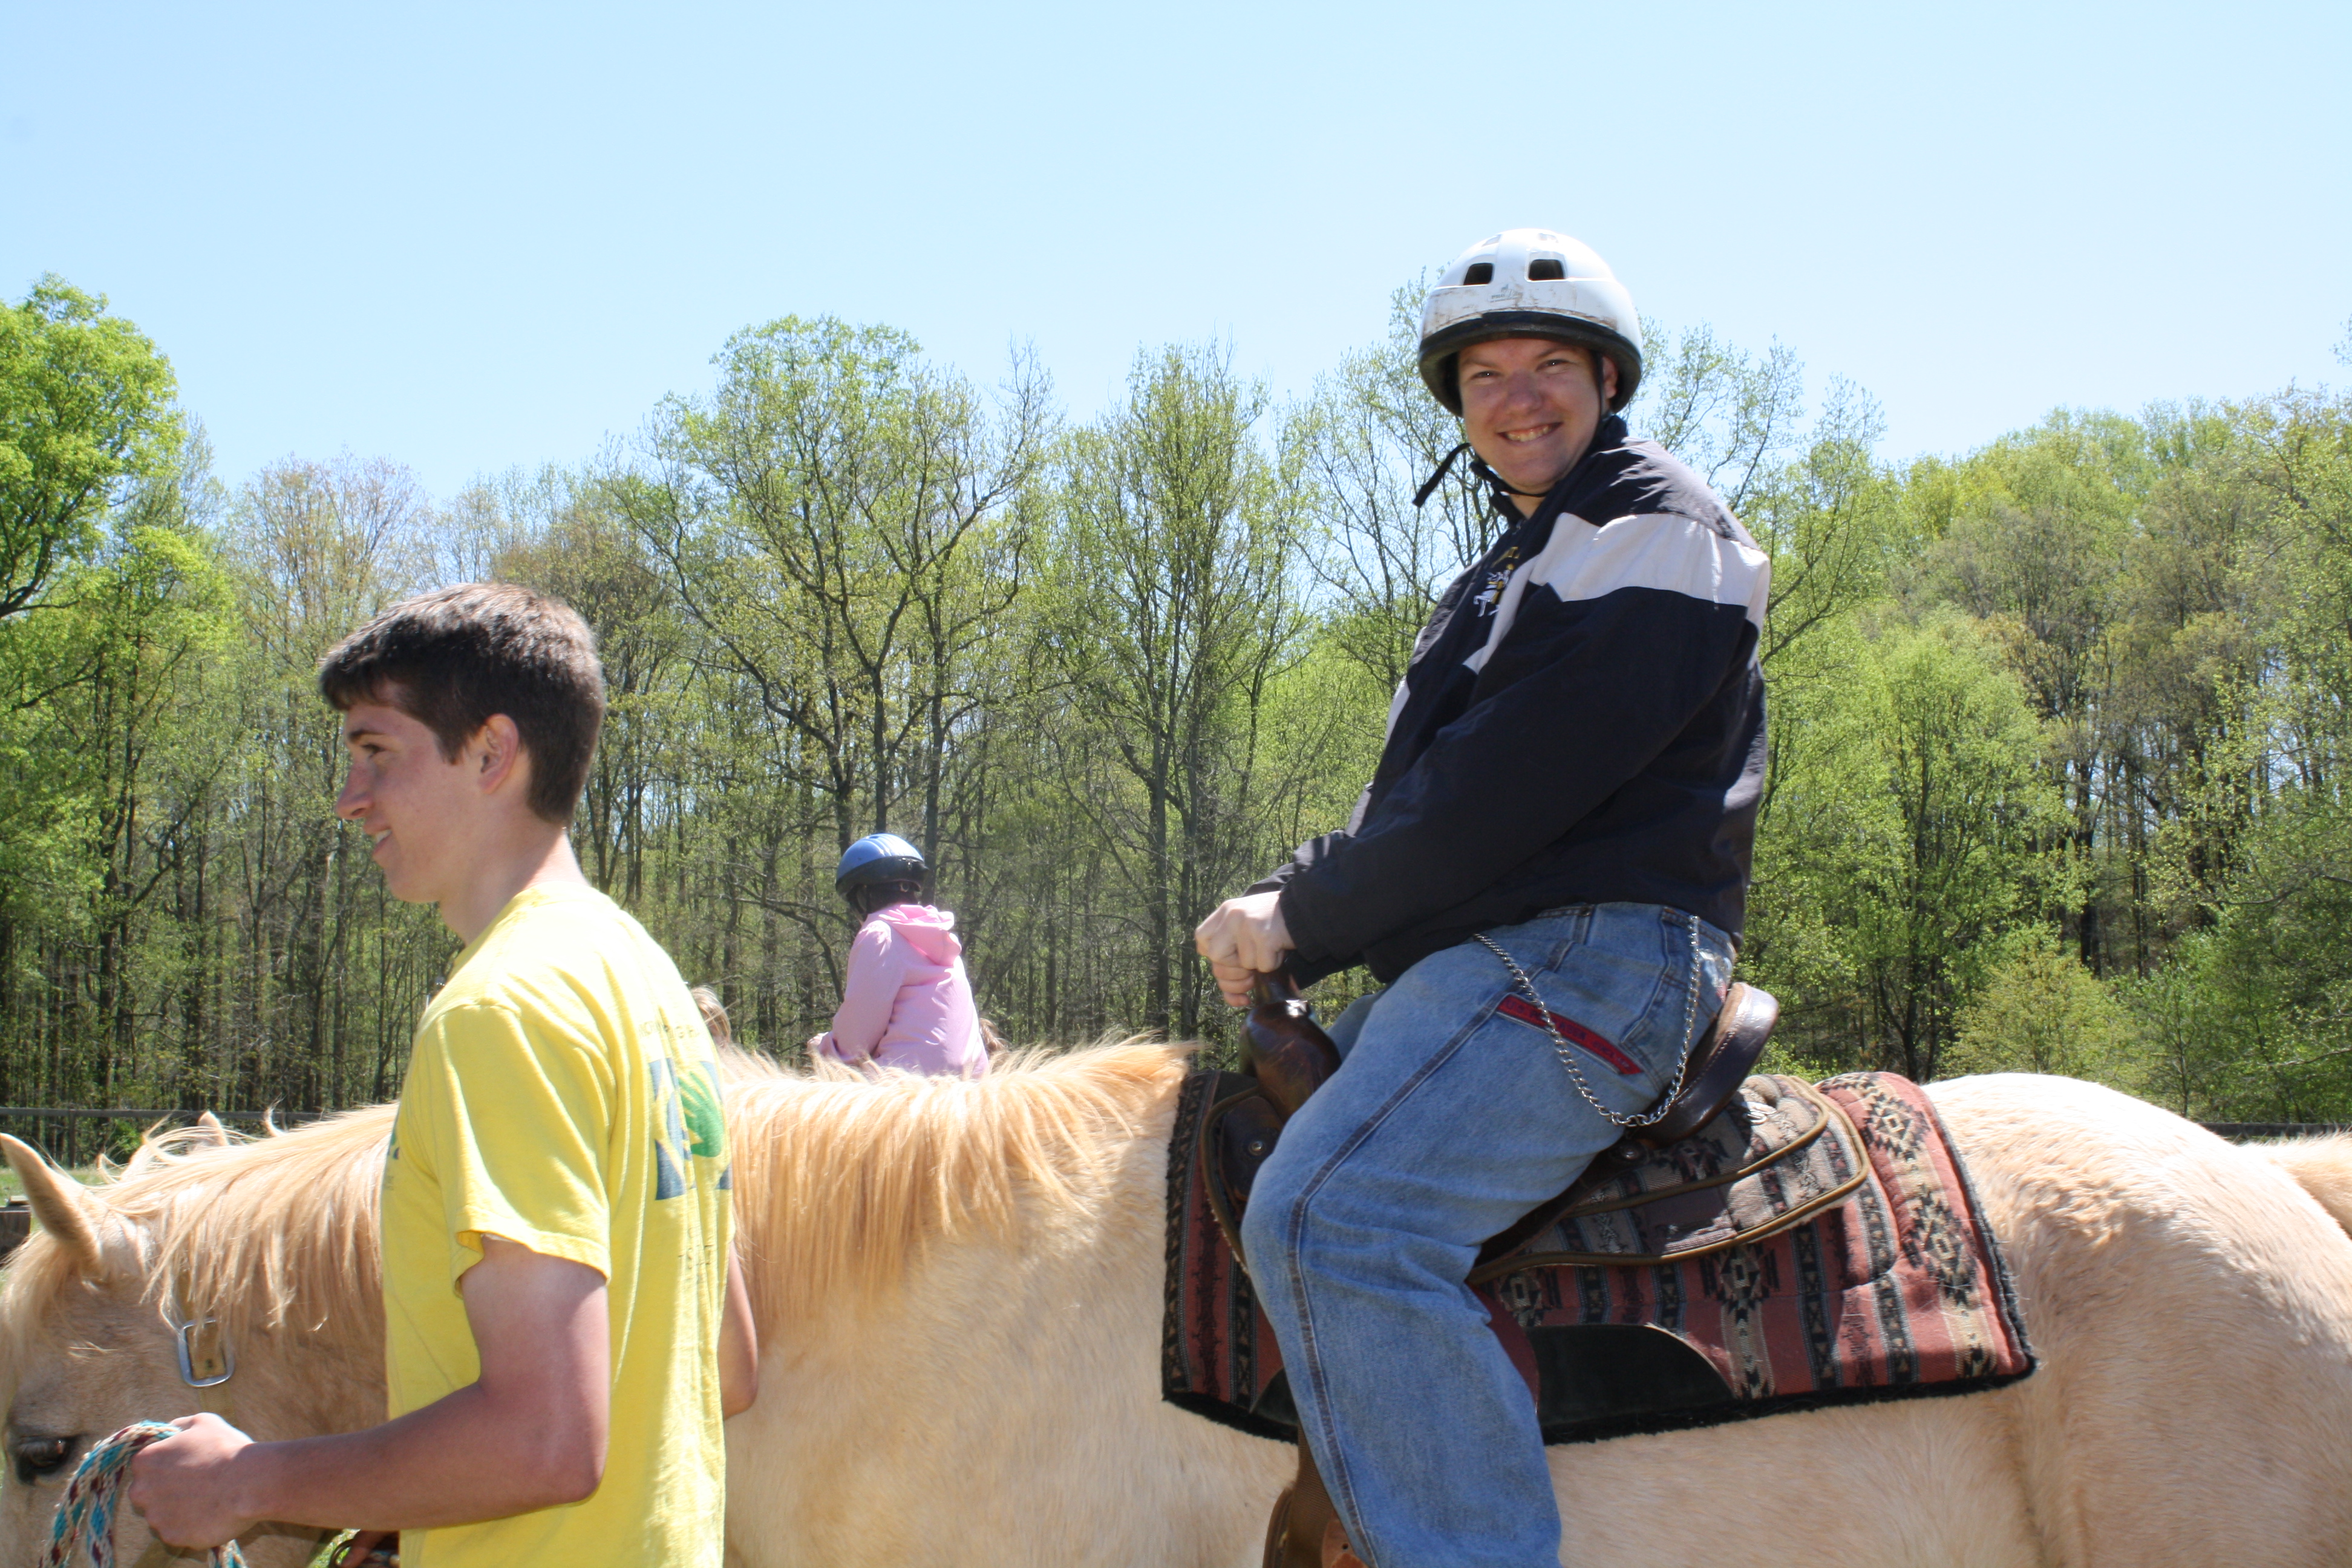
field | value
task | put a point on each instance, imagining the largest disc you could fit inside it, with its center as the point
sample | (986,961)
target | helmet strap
(1444,466)
(1500,483)
(1494,481)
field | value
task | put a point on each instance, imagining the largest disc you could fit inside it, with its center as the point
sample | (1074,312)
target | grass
(11,1187)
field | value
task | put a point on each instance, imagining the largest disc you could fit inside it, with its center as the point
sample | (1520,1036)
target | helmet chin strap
(1478,465)
(1509,489)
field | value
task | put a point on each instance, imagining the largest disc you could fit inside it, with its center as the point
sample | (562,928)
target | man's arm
(528,1433)
(738,1344)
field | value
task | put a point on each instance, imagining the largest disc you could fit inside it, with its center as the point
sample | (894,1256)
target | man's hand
(1241,938)
(186,1486)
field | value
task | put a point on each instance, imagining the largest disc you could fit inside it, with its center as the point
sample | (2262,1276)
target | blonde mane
(840,1179)
(262,1232)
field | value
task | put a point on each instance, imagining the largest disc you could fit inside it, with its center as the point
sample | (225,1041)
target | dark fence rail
(2237,1131)
(67,1146)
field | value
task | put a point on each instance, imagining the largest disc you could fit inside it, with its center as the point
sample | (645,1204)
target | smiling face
(419,809)
(1530,406)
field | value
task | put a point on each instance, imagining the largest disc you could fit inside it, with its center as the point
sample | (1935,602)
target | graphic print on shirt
(688,1126)
(1498,577)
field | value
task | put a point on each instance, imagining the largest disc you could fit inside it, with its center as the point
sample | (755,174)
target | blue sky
(470,237)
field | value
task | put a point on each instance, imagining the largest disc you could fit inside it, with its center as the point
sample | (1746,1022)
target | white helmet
(1528,283)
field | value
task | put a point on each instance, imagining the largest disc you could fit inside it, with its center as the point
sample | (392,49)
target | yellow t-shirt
(564,1096)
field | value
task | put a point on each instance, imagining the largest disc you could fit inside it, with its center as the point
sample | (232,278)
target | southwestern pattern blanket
(1820,1245)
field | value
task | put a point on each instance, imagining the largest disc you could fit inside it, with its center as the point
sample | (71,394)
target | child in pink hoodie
(905,1002)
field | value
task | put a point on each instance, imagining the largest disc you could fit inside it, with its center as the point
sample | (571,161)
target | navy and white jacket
(1583,722)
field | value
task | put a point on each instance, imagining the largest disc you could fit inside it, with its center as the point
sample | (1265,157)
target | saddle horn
(1289,1054)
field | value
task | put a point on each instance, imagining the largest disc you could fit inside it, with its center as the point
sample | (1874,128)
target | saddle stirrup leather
(1305,1530)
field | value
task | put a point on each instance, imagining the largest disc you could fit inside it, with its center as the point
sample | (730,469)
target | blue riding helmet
(879,857)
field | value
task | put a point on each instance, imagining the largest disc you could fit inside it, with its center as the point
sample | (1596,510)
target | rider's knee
(1271,1224)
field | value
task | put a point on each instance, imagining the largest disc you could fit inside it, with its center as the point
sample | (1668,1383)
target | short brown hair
(454,657)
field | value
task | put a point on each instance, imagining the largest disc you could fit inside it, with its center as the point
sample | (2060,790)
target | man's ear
(498,750)
(1608,379)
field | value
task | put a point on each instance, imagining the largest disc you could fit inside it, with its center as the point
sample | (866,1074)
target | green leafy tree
(1907,841)
(87,410)
(2061,726)
(1172,612)
(2040,1010)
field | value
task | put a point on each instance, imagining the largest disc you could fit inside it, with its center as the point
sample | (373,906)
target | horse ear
(214,1134)
(58,1202)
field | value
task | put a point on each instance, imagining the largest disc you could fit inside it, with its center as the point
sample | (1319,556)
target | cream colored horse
(959,1285)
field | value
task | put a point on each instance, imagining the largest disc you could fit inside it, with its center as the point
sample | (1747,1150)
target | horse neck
(1028,1163)
(276,1240)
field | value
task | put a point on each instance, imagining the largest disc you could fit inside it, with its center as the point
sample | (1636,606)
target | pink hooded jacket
(907,1002)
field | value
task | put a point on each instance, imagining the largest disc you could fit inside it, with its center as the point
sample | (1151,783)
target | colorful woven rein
(85,1517)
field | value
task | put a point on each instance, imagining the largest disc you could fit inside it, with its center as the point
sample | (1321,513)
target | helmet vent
(1546,268)
(1480,272)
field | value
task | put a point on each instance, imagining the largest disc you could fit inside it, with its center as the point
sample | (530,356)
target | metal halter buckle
(183,1338)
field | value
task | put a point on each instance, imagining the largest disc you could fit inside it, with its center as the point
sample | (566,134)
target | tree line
(2059,726)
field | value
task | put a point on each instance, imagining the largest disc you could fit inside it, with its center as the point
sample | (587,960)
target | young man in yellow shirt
(564,1325)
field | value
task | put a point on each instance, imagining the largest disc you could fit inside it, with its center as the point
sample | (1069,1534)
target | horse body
(2190,1303)
(959,1292)
(2190,1307)
(997,1400)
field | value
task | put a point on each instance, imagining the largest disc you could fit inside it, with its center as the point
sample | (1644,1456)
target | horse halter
(205,1361)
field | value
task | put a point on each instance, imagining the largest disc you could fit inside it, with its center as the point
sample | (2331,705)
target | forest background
(2060,727)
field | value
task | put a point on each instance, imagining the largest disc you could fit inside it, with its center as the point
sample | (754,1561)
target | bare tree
(1172,612)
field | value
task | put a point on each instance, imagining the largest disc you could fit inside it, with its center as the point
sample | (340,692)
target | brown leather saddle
(1290,1057)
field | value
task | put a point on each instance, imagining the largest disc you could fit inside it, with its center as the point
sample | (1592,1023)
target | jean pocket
(1659,957)
(1566,1030)
(1602,997)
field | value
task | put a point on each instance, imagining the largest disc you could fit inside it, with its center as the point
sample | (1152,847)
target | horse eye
(38,1457)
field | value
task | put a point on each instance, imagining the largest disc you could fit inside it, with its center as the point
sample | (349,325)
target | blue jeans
(1449,1119)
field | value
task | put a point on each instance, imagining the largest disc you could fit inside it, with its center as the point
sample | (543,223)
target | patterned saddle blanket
(1813,1245)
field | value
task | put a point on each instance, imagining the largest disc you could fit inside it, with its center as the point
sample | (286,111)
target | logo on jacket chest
(1498,577)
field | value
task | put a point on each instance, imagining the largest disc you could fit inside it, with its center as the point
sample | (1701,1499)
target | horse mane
(2321,1165)
(264,1232)
(738,1065)
(840,1179)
